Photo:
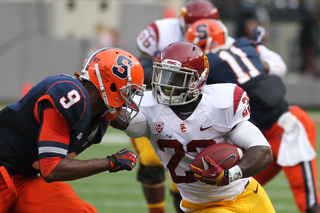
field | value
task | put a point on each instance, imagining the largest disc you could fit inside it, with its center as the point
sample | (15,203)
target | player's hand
(214,175)
(125,159)
(259,35)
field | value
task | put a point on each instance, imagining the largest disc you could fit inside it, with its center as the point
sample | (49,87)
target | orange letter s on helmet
(118,75)
(209,34)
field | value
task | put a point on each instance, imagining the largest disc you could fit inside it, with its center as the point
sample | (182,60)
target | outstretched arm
(72,169)
(272,62)
(53,145)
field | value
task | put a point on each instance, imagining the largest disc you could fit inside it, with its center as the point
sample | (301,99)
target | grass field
(120,192)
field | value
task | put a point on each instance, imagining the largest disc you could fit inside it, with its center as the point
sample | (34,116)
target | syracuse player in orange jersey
(54,122)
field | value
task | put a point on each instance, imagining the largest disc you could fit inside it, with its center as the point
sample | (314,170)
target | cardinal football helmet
(209,34)
(118,76)
(180,74)
(195,10)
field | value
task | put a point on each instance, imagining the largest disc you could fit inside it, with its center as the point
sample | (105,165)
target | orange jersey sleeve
(53,140)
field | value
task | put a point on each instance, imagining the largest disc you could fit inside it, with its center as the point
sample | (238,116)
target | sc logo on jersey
(183,128)
(121,69)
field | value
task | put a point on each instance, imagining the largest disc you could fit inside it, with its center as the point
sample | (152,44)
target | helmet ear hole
(113,88)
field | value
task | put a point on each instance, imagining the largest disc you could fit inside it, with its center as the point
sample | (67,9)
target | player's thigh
(253,200)
(145,152)
(7,195)
(38,196)
(307,123)
(256,198)
(302,179)
(215,210)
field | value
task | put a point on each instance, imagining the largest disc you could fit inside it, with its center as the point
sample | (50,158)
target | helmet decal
(93,57)
(209,34)
(121,67)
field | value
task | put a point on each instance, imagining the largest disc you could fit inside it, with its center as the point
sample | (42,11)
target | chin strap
(109,117)
(111,110)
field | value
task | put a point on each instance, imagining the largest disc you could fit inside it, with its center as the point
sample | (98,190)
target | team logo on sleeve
(247,110)
(159,126)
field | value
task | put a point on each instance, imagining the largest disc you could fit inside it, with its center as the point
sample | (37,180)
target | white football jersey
(177,141)
(158,35)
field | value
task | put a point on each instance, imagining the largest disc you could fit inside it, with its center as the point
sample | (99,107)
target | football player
(172,116)
(289,129)
(150,42)
(56,120)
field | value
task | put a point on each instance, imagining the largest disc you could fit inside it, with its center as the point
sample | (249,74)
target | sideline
(115,138)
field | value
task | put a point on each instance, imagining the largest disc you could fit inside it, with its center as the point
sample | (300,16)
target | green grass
(121,192)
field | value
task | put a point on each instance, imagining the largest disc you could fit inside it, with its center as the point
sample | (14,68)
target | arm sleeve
(54,139)
(246,135)
(138,127)
(274,60)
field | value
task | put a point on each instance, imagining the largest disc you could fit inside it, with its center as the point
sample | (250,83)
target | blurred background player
(150,43)
(289,130)
(172,116)
(54,122)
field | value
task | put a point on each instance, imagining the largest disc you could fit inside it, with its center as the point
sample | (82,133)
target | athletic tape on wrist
(235,173)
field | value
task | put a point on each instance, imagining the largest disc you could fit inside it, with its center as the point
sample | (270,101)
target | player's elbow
(49,178)
(268,156)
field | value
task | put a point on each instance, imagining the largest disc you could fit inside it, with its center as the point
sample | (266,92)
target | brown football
(225,155)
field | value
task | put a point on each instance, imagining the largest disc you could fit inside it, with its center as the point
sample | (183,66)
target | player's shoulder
(222,95)
(69,97)
(226,104)
(243,41)
(167,21)
(162,24)
(64,84)
(167,26)
(147,99)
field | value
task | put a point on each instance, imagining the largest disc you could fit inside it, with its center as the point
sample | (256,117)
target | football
(225,155)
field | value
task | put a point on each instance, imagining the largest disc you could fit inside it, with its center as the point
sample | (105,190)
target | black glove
(122,160)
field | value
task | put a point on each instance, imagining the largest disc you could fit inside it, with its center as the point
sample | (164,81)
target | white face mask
(174,85)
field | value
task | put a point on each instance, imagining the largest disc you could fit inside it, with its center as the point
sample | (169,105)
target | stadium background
(39,38)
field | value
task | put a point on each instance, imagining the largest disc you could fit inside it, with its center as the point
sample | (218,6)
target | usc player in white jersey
(172,116)
(150,42)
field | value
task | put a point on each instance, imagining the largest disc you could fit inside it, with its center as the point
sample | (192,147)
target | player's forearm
(258,153)
(276,65)
(72,169)
(255,160)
